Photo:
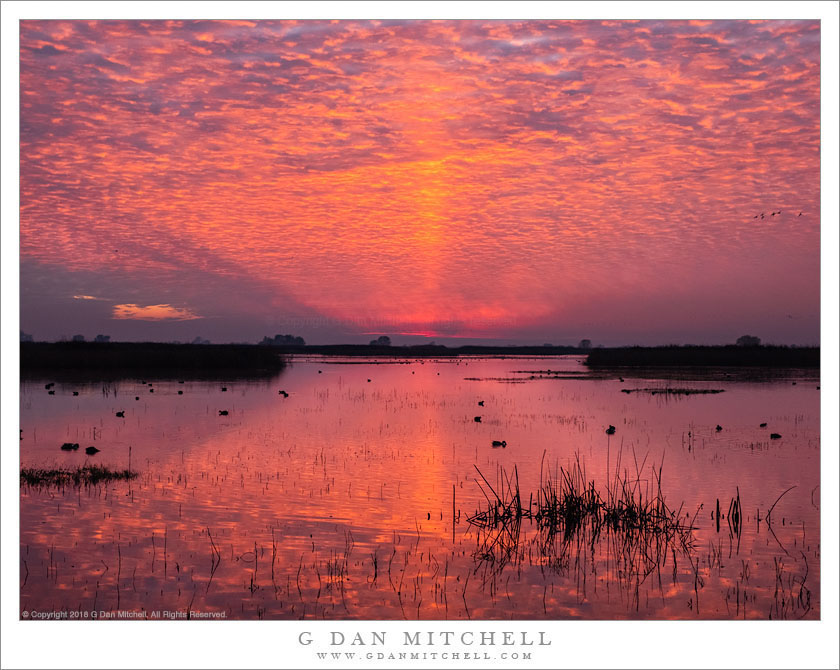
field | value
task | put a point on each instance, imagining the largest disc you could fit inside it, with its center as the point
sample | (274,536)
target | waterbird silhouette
(137,397)
(50,392)
(762,425)
(775,436)
(49,386)
(497,443)
(224,388)
(481,403)
(223,412)
(283,393)
(90,451)
(718,428)
(477,419)
(610,430)
(70,446)
(75,393)
(121,414)
(180,393)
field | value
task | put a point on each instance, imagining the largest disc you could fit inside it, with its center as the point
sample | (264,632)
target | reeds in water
(569,511)
(88,475)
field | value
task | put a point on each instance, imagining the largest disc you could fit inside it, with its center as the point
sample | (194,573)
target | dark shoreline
(426,350)
(117,360)
(667,356)
(152,360)
(693,356)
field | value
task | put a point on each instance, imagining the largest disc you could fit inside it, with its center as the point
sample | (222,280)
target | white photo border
(591,644)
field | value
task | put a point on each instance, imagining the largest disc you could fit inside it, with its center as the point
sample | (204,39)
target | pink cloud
(162,312)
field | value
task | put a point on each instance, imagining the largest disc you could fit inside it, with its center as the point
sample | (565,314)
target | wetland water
(336,501)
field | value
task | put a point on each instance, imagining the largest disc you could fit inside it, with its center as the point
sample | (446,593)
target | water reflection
(351,498)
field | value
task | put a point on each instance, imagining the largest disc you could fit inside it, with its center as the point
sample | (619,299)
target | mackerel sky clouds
(522,181)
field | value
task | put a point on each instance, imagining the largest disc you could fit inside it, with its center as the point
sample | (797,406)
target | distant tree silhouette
(283,340)
(26,337)
(102,338)
(78,338)
(585,344)
(382,341)
(200,340)
(748,341)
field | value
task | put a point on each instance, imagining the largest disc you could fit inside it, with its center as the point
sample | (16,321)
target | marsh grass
(566,502)
(88,475)
(572,516)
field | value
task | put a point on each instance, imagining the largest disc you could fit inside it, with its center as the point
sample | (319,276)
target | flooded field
(372,489)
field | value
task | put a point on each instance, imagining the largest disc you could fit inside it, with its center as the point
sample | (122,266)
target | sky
(518,182)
